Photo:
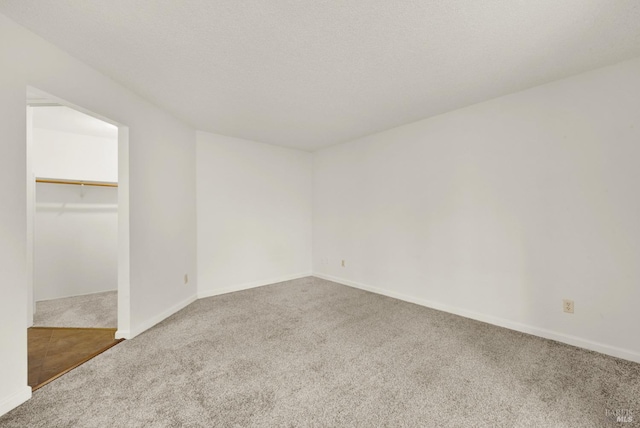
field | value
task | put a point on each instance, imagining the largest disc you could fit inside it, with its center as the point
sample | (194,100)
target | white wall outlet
(567,306)
(343,263)
(186,278)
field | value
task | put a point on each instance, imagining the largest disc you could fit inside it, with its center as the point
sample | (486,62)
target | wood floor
(54,351)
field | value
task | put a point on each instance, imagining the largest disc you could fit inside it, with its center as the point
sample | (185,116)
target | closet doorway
(73,243)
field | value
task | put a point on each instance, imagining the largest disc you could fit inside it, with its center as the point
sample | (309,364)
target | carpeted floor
(314,353)
(99,310)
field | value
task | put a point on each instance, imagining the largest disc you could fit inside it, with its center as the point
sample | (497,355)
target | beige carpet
(99,310)
(314,353)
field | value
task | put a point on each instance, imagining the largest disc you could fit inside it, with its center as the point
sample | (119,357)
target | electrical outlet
(186,278)
(567,306)
(343,263)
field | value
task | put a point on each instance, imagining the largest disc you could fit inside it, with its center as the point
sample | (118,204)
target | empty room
(366,213)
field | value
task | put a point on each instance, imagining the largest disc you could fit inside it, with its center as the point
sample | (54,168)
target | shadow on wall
(76,244)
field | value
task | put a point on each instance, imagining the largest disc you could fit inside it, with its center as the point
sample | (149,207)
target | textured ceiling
(308,74)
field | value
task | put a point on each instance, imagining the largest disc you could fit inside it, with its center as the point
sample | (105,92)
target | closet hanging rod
(77,182)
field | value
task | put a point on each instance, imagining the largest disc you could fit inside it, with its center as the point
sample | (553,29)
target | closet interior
(73,160)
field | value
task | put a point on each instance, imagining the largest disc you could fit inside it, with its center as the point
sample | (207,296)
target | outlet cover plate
(567,306)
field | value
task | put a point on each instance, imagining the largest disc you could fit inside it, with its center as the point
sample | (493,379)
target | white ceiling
(65,119)
(309,74)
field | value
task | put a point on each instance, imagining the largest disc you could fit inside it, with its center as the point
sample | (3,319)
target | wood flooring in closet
(54,351)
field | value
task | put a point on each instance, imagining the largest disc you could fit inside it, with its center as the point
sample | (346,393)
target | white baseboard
(77,295)
(248,285)
(14,400)
(123,334)
(602,348)
(146,325)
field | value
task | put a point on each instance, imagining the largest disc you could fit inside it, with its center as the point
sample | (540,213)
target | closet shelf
(77,182)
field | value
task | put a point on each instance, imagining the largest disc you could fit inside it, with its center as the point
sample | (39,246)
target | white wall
(69,155)
(76,229)
(499,211)
(76,245)
(162,216)
(254,213)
